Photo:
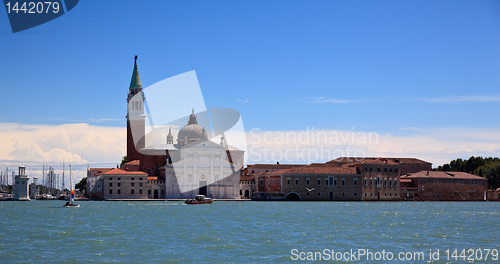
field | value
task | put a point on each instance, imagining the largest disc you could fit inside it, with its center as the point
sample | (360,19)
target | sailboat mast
(63,178)
(72,197)
(43,179)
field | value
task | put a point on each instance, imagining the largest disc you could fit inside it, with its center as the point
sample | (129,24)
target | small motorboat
(200,199)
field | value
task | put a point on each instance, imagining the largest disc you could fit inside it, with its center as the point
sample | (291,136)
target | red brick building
(443,186)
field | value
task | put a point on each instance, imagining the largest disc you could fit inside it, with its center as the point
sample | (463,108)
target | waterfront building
(248,186)
(121,184)
(94,187)
(21,191)
(34,188)
(316,182)
(367,179)
(443,186)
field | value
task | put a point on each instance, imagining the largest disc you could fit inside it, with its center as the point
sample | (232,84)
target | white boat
(71,203)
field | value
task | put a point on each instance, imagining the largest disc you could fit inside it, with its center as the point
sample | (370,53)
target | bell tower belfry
(135,117)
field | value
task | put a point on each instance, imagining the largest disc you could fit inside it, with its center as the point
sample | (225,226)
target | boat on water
(71,203)
(200,199)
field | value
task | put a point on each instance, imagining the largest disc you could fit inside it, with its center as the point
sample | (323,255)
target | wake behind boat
(200,199)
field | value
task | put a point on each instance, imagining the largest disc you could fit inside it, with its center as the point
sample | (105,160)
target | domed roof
(192,130)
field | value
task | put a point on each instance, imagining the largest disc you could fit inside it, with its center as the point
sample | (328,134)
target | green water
(241,232)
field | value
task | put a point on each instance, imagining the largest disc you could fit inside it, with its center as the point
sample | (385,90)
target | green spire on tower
(136,81)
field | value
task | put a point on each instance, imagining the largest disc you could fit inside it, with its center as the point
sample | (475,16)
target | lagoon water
(240,232)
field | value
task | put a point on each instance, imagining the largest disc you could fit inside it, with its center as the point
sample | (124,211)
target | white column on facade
(196,180)
(212,176)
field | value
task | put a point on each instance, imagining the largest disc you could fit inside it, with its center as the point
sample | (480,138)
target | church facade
(191,166)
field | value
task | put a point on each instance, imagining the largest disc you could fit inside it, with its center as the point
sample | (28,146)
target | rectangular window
(335,182)
(396,170)
(140,184)
(371,169)
(140,191)
(296,181)
(319,181)
(326,181)
(385,170)
(132,184)
(110,184)
(110,191)
(378,169)
(343,182)
(119,192)
(288,181)
(118,184)
(307,181)
(132,191)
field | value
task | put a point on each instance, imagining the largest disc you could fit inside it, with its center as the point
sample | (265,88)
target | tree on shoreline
(488,168)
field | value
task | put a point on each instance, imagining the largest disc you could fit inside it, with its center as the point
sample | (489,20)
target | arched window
(330,195)
(308,181)
(355,182)
(365,182)
(343,182)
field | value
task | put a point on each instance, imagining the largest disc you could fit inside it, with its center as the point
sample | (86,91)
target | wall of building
(380,182)
(125,186)
(317,187)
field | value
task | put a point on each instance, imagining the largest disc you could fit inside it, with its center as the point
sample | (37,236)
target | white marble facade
(203,169)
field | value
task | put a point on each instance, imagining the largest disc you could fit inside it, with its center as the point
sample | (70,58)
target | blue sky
(394,67)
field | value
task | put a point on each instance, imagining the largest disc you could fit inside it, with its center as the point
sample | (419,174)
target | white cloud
(438,146)
(328,100)
(78,144)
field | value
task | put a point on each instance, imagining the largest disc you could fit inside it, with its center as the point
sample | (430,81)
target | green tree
(124,160)
(82,185)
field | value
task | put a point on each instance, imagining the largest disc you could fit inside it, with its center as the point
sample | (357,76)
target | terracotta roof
(100,170)
(379,159)
(317,170)
(134,162)
(405,180)
(443,174)
(152,178)
(120,171)
(273,166)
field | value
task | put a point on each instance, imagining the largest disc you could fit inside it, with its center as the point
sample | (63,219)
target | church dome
(192,131)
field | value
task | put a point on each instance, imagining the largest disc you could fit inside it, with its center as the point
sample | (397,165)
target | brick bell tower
(135,116)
